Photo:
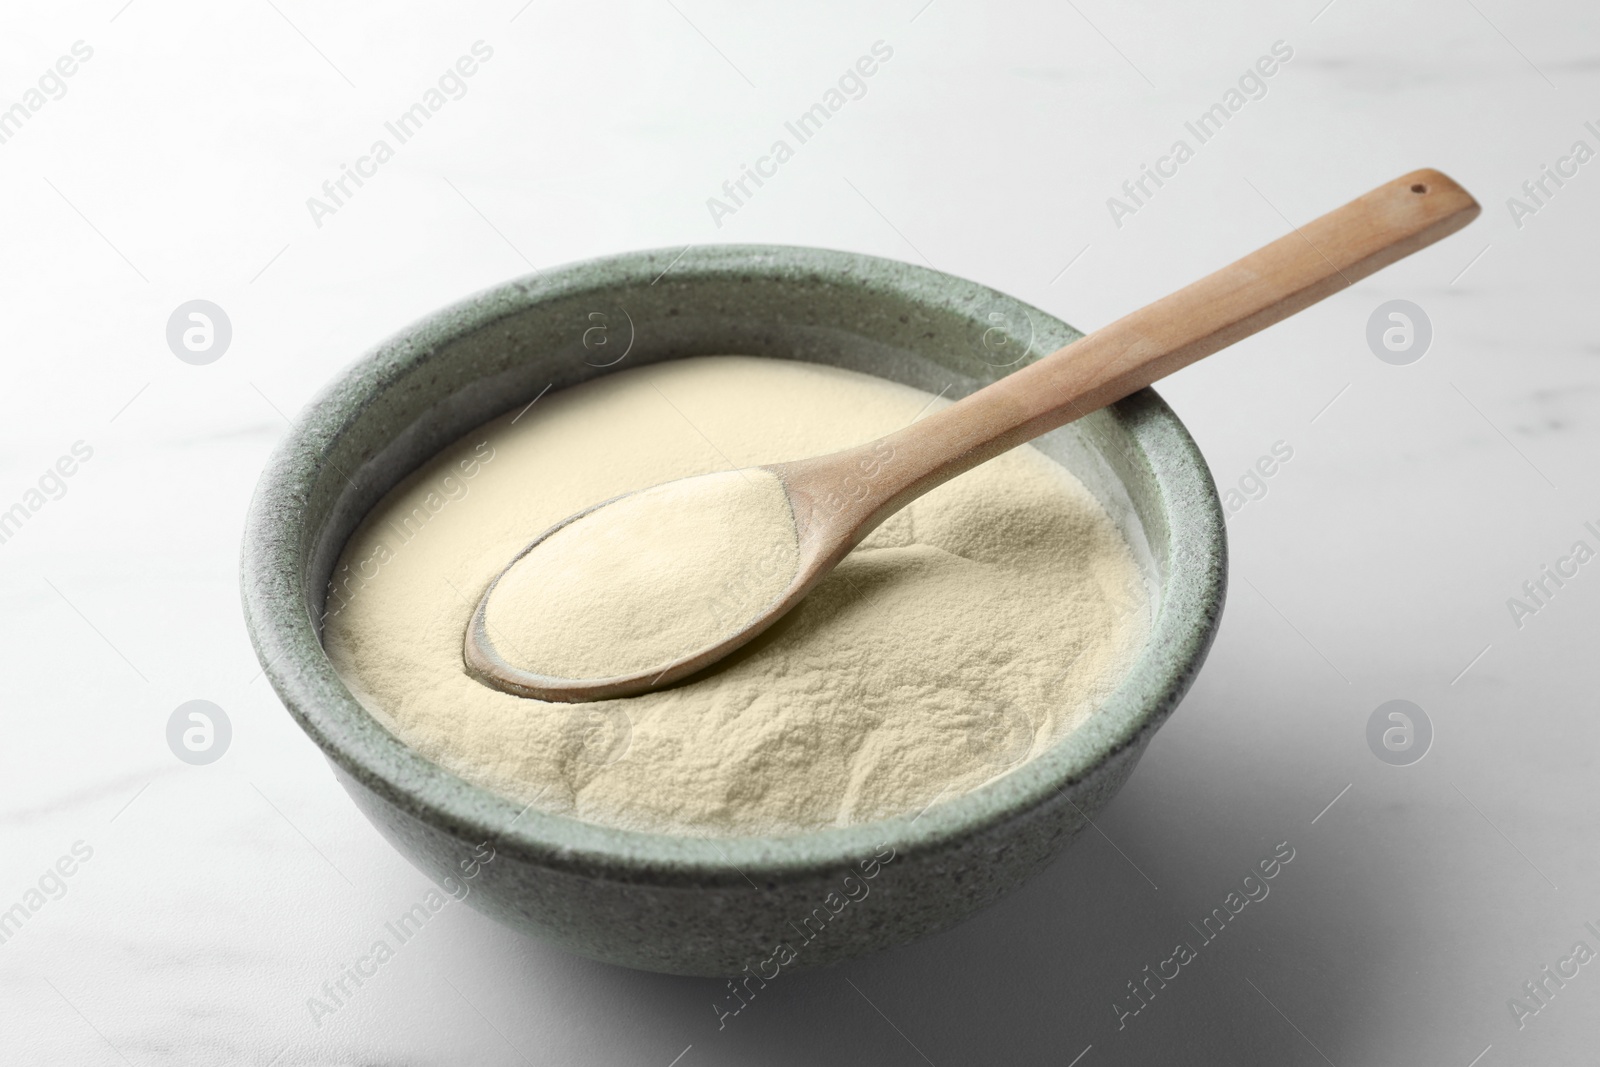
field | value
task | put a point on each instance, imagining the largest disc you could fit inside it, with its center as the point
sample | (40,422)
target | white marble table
(206,904)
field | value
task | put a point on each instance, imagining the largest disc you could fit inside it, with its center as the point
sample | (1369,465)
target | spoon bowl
(724,583)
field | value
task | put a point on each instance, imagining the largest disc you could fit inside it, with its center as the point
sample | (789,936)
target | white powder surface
(647,579)
(967,633)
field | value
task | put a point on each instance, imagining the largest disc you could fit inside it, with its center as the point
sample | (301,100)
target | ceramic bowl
(749,905)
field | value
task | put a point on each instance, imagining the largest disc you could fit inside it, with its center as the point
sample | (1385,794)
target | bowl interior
(493,353)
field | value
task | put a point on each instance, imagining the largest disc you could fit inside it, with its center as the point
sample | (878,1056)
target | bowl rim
(277,541)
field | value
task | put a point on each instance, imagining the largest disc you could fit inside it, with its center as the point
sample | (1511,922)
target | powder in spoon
(968,633)
(647,579)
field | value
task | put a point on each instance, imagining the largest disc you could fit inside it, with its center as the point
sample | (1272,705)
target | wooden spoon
(838,499)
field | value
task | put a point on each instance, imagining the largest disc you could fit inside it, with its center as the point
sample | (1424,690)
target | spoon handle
(1269,284)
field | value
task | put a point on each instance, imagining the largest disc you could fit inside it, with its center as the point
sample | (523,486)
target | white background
(1378,566)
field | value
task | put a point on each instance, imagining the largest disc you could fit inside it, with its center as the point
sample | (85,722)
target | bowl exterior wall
(740,929)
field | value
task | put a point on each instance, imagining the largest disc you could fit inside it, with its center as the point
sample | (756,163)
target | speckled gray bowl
(702,906)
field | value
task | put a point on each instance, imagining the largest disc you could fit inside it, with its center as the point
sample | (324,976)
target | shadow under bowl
(703,906)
